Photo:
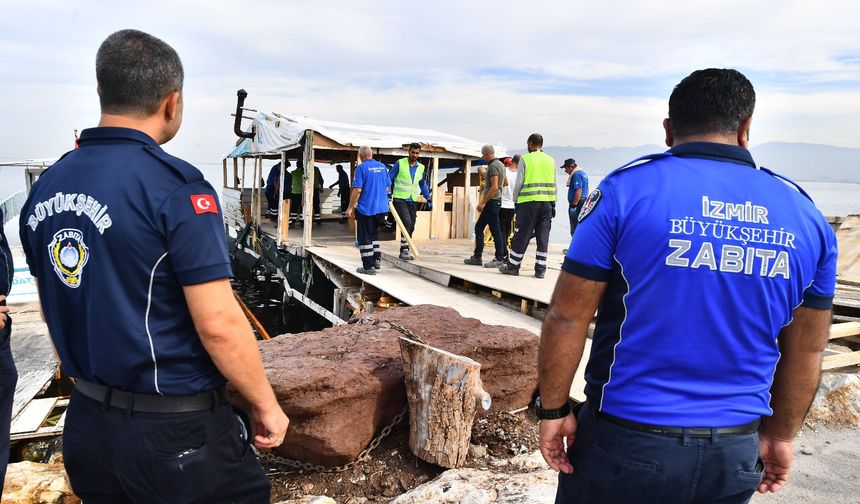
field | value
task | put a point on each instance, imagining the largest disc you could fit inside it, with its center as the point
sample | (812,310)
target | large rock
(32,483)
(837,400)
(473,486)
(341,385)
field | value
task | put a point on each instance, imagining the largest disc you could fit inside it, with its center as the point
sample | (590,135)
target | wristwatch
(551,414)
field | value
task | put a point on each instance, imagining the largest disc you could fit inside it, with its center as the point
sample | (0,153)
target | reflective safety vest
(404,186)
(539,178)
(296,186)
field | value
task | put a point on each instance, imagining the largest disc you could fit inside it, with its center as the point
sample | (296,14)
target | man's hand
(271,425)
(481,207)
(552,445)
(777,457)
(350,212)
(3,311)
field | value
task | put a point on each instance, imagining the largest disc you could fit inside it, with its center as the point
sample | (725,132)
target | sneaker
(368,271)
(505,270)
(377,264)
(406,256)
(540,274)
(495,263)
(474,261)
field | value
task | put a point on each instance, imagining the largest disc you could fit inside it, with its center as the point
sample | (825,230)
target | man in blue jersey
(369,204)
(8,372)
(715,282)
(577,190)
(127,245)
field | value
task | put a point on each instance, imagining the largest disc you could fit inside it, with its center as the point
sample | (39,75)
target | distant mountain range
(797,161)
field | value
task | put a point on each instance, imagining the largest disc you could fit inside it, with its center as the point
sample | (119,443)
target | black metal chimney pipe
(237,123)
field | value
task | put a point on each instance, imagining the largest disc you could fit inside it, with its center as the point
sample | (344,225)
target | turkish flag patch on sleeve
(204,203)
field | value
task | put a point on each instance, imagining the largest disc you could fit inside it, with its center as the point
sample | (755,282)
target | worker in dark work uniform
(127,245)
(8,372)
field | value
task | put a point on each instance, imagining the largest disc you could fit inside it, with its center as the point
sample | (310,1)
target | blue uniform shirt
(112,232)
(422,184)
(7,272)
(372,178)
(578,181)
(705,259)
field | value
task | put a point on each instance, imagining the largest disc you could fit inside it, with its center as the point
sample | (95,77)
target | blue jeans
(617,465)
(490,217)
(117,456)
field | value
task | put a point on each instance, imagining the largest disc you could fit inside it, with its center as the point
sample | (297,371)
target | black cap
(568,162)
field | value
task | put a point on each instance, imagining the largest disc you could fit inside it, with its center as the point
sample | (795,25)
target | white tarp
(276,133)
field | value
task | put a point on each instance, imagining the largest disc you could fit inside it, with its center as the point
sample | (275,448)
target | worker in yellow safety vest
(407,180)
(534,195)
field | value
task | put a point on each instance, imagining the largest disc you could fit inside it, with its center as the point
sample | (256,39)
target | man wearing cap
(714,280)
(127,245)
(534,194)
(577,190)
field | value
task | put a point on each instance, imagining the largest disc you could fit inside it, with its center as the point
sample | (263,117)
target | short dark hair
(415,145)
(714,100)
(535,139)
(135,72)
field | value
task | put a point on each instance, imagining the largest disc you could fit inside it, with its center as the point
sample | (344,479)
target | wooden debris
(444,391)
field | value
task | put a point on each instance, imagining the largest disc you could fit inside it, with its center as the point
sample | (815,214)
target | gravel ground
(826,469)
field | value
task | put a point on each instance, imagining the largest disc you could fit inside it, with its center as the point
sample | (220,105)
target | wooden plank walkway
(414,290)
(33,354)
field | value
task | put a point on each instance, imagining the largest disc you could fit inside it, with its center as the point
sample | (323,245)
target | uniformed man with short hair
(714,280)
(8,372)
(369,204)
(407,179)
(534,194)
(127,245)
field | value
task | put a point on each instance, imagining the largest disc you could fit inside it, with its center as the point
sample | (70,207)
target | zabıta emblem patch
(69,254)
(590,203)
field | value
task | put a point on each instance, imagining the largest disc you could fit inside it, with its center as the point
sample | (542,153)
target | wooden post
(444,391)
(283,213)
(308,189)
(438,203)
(224,172)
(246,209)
(236,175)
(467,169)
(402,229)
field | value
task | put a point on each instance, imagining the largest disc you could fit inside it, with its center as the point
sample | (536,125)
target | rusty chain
(272,458)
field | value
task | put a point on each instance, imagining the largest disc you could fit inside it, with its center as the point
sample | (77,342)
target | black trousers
(368,238)
(271,199)
(117,456)
(406,211)
(506,221)
(573,214)
(8,380)
(317,211)
(534,217)
(490,217)
(344,201)
(295,207)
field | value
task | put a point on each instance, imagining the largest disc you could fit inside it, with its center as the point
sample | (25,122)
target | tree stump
(444,391)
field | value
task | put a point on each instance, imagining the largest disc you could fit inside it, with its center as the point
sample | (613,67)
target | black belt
(150,403)
(697,432)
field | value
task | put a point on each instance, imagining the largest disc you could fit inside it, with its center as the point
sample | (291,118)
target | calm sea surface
(832,198)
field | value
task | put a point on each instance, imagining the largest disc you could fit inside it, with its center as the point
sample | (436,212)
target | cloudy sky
(582,73)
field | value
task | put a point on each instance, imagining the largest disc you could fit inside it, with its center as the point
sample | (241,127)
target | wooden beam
(467,169)
(224,171)
(308,189)
(402,229)
(283,206)
(235,184)
(841,360)
(844,329)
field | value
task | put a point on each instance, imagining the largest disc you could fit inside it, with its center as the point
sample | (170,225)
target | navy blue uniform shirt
(705,258)
(112,232)
(371,177)
(7,272)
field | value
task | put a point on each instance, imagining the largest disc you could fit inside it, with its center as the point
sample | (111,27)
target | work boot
(540,274)
(507,270)
(406,256)
(474,261)
(377,264)
(495,263)
(363,271)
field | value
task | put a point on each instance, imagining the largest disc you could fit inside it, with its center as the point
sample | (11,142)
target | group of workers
(705,355)
(292,190)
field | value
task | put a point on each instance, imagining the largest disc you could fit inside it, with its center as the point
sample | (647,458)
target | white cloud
(595,73)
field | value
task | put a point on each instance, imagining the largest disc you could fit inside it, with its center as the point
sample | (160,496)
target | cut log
(444,392)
